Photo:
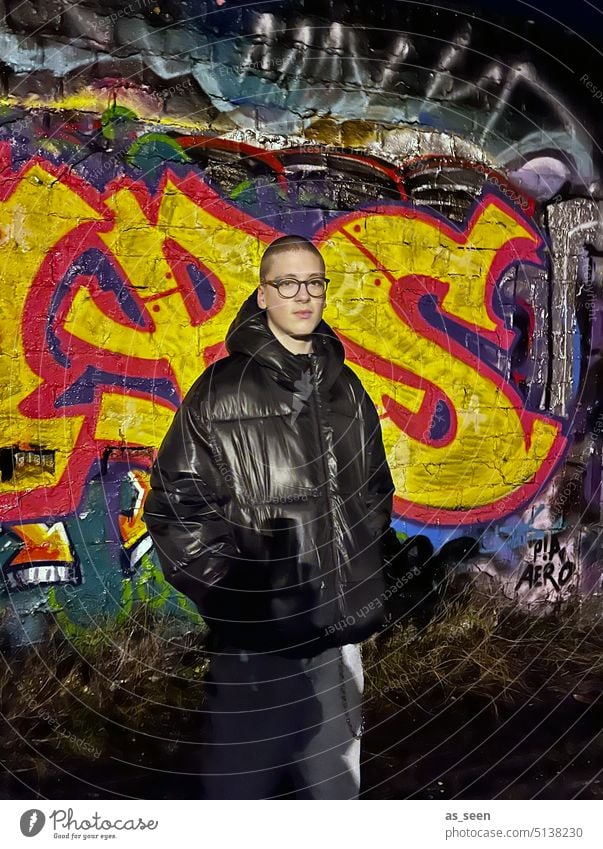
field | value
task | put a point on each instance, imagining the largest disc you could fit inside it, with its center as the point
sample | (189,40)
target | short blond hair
(286,243)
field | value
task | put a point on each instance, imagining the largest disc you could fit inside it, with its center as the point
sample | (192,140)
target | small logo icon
(32,822)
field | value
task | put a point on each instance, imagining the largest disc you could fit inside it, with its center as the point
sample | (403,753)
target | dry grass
(484,644)
(88,696)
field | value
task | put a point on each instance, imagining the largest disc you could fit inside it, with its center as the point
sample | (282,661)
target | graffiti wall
(466,286)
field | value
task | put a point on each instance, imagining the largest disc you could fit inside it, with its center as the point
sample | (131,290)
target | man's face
(292,319)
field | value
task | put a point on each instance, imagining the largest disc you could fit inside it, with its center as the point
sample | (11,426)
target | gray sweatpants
(272,721)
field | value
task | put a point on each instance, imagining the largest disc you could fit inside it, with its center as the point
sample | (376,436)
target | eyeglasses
(288,287)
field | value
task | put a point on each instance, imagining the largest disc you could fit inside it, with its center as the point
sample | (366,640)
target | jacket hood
(249,334)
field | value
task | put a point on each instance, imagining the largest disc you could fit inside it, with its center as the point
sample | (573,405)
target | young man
(270,501)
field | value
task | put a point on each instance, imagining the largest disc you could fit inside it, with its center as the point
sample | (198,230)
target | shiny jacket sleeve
(184,510)
(380,484)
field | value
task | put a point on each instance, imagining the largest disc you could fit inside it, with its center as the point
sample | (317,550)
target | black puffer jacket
(271,495)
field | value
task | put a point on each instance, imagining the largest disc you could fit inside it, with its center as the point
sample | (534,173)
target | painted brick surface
(463,242)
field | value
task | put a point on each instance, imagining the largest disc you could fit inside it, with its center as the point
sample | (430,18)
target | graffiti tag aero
(124,298)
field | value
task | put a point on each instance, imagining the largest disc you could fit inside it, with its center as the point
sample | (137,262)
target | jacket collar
(249,334)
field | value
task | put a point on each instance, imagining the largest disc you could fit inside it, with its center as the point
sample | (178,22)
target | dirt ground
(471,750)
